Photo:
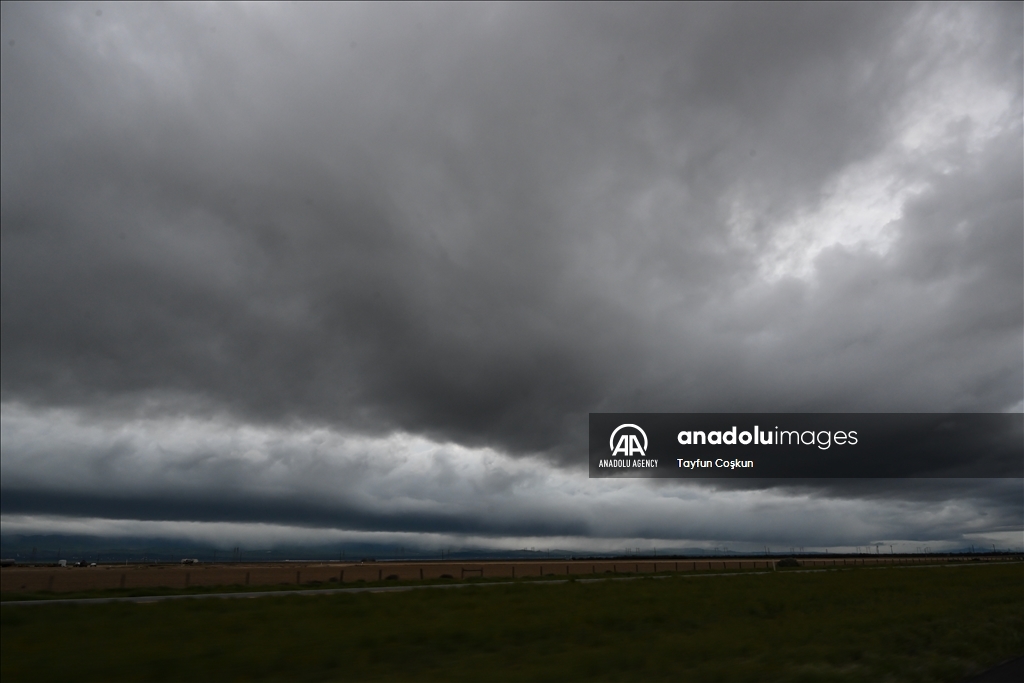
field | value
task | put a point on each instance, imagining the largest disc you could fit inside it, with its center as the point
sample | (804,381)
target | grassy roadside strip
(235,591)
(319,588)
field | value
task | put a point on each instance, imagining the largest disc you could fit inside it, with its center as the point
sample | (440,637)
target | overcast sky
(312,271)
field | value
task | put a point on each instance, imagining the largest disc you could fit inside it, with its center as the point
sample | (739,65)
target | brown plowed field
(61,580)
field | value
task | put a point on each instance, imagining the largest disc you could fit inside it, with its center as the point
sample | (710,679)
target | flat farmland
(17,582)
(863,623)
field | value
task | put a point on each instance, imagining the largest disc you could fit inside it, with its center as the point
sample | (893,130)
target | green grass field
(915,624)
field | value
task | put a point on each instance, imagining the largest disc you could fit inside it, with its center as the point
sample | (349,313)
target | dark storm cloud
(366,216)
(166,471)
(480,223)
(294,510)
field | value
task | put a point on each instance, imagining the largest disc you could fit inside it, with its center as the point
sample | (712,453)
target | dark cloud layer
(478,224)
(294,510)
(168,471)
